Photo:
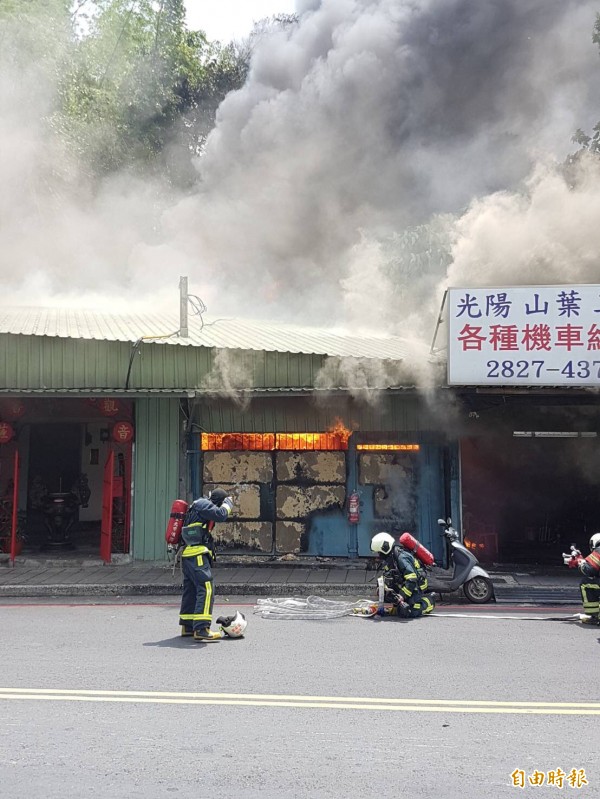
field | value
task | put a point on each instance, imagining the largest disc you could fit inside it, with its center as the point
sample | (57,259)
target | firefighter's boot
(206,636)
(186,632)
(584,618)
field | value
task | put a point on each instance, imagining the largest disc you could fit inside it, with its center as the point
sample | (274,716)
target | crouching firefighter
(404,578)
(195,615)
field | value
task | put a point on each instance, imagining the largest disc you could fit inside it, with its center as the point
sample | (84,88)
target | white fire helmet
(382,543)
(595,541)
(233,626)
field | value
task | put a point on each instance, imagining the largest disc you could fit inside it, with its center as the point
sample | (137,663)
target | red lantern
(6,432)
(109,407)
(122,432)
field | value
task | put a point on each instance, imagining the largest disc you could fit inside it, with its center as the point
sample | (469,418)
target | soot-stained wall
(275,496)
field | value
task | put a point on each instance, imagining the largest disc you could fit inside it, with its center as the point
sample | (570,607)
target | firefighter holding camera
(197,557)
(590,582)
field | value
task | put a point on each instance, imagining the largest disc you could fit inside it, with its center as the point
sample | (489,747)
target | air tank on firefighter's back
(418,550)
(173,532)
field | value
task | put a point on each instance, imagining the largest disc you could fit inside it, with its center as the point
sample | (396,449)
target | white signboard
(523,336)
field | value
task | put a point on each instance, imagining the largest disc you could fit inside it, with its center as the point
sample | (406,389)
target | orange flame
(237,441)
(338,428)
(272,441)
(311,441)
(388,447)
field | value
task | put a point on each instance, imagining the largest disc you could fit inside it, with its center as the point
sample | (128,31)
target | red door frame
(15,510)
(116,486)
(127,496)
(107,508)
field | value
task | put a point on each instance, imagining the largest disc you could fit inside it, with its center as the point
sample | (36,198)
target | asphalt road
(105,700)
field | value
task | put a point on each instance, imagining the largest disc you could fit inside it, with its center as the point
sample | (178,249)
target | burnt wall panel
(288,536)
(238,467)
(246,499)
(299,502)
(380,468)
(244,536)
(393,474)
(311,467)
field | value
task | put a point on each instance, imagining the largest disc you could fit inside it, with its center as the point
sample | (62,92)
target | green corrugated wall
(155,475)
(401,412)
(41,362)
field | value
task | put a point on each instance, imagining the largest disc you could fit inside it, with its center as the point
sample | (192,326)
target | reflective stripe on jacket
(591,565)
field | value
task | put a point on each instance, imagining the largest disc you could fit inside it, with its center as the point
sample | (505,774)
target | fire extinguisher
(354,508)
(424,555)
(176,517)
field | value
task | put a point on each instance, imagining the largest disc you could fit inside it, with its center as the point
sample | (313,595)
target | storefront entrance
(528,495)
(74,475)
(293,491)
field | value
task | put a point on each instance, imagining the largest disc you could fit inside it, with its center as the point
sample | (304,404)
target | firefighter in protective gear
(195,615)
(590,583)
(404,576)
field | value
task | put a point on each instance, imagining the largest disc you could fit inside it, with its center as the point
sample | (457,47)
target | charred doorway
(526,496)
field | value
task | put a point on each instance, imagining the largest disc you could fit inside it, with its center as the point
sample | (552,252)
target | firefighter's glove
(227,503)
(403,609)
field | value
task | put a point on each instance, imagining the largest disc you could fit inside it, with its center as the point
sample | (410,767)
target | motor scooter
(466,571)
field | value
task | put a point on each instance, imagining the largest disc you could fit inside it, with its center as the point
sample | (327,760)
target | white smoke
(366,117)
(545,234)
(231,373)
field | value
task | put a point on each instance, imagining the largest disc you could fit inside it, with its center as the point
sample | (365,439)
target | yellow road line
(329,702)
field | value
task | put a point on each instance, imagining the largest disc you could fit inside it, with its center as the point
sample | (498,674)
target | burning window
(336,438)
(232,441)
(310,441)
(388,447)
(273,441)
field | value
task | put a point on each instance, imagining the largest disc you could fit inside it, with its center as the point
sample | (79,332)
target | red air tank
(173,532)
(418,550)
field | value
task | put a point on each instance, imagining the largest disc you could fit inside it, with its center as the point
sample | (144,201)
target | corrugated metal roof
(222,333)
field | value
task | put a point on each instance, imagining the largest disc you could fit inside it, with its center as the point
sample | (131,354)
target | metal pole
(439,322)
(183,307)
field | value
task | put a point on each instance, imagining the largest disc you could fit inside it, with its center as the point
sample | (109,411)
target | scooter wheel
(479,590)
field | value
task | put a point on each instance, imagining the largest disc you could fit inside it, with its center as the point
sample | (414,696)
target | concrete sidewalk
(31,577)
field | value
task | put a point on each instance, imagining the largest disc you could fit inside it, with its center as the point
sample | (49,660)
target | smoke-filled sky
(232,19)
(368,117)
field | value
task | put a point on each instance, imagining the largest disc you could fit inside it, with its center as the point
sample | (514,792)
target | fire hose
(313,607)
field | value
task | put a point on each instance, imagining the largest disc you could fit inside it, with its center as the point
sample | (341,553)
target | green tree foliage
(33,30)
(132,87)
(143,89)
(588,144)
(417,258)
